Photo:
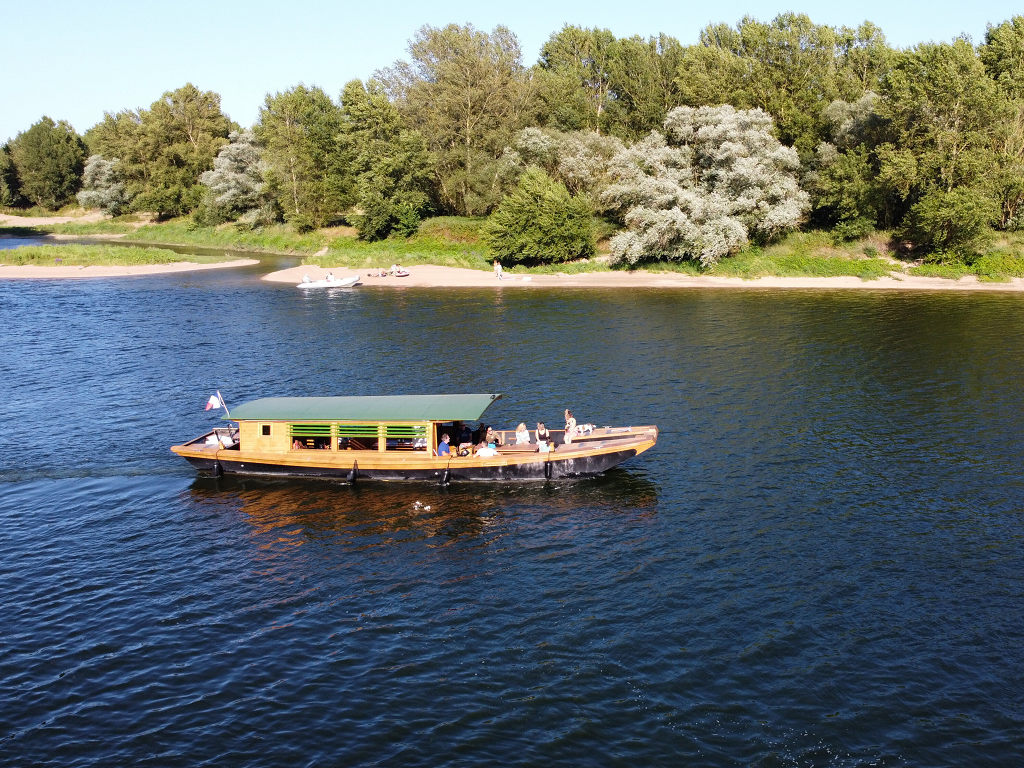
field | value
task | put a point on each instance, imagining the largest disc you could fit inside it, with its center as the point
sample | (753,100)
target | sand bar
(426,276)
(37,272)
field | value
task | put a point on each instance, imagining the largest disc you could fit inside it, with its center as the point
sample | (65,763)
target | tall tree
(467,92)
(643,79)
(575,79)
(391,164)
(48,159)
(945,114)
(302,132)
(161,152)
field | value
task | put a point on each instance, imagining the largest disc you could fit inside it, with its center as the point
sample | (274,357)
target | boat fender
(446,477)
(547,470)
(218,470)
(351,476)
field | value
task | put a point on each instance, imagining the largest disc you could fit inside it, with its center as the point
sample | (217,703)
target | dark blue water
(819,564)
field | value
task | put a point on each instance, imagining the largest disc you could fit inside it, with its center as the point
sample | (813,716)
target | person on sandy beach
(497,270)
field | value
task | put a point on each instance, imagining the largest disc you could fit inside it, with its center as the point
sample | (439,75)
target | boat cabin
(378,424)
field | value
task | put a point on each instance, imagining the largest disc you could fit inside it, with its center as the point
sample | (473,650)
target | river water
(819,563)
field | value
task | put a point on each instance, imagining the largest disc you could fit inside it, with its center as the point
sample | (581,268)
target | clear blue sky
(76,60)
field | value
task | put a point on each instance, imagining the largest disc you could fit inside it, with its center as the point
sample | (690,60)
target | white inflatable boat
(329,282)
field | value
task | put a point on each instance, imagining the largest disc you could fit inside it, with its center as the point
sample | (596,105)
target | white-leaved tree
(102,187)
(715,179)
(236,185)
(579,159)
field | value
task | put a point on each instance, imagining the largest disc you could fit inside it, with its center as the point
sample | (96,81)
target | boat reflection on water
(389,511)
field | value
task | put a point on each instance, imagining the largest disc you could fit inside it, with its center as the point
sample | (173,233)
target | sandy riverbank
(29,272)
(425,276)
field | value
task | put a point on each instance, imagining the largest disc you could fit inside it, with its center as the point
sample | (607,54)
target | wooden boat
(395,438)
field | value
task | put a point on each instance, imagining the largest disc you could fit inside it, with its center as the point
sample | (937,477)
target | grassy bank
(96,256)
(447,241)
(456,242)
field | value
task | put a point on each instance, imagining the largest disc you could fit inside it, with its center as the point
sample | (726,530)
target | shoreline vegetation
(103,260)
(779,147)
(457,242)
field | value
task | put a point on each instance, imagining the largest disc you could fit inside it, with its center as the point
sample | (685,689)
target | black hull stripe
(568,467)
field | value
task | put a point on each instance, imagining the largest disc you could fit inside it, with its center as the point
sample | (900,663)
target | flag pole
(219,395)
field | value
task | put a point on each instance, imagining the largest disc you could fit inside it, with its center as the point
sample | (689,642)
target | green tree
(391,164)
(952,223)
(161,152)
(1003,57)
(574,78)
(1002,54)
(541,222)
(790,68)
(302,132)
(945,116)
(643,79)
(48,159)
(8,178)
(467,92)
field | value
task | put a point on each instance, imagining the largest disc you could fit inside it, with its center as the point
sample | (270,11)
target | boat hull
(552,468)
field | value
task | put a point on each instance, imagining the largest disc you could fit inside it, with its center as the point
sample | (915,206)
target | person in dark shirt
(465,436)
(442,447)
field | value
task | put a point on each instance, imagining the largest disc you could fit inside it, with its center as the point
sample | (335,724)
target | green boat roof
(375,408)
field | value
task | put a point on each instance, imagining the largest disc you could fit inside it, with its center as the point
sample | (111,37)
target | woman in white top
(522,434)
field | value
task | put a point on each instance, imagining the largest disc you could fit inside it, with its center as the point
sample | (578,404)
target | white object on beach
(527,278)
(345,282)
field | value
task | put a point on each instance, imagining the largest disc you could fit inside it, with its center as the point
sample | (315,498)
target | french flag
(216,401)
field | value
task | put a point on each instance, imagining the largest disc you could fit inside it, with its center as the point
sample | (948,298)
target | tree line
(691,151)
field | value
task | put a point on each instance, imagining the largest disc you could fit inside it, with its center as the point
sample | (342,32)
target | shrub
(102,187)
(541,222)
(953,224)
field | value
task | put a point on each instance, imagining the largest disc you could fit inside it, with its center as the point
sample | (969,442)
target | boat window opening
(357,437)
(406,438)
(310,437)
(265,430)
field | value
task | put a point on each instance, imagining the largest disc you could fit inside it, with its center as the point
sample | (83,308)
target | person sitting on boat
(522,434)
(330,277)
(442,447)
(297,444)
(305,279)
(465,435)
(570,426)
(486,450)
(492,438)
(543,435)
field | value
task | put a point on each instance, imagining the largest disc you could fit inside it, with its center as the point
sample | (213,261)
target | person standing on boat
(570,426)
(442,447)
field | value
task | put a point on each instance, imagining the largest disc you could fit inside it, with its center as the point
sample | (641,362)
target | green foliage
(541,222)
(789,68)
(467,92)
(48,160)
(301,132)
(392,166)
(161,152)
(450,241)
(97,255)
(1003,55)
(951,224)
(9,195)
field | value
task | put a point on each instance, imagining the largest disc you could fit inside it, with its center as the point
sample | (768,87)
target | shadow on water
(417,510)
